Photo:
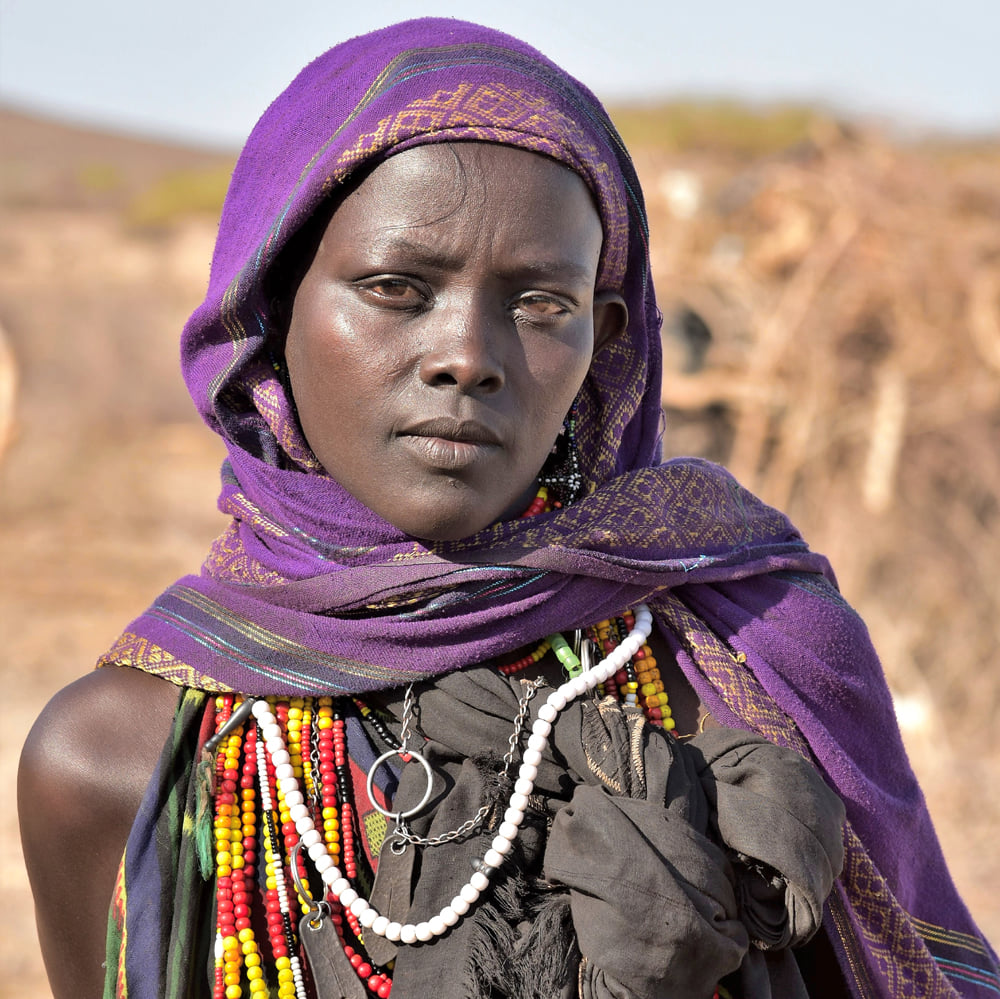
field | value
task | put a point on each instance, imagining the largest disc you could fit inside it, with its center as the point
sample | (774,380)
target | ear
(610,318)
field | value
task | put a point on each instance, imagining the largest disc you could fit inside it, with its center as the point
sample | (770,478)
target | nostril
(475,374)
(463,353)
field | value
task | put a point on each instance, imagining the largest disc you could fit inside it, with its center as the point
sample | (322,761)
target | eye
(542,306)
(394,292)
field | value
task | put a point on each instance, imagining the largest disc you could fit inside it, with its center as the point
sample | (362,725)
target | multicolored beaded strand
(236,953)
(279,923)
(530,659)
(338,817)
(639,681)
(242,766)
(540,504)
(228,958)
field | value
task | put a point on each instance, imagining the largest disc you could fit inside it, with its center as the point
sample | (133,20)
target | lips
(448,429)
(450,444)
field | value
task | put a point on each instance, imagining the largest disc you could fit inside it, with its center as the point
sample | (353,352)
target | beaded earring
(561,474)
(280,369)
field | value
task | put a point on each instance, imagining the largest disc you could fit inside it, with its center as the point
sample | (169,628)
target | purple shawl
(308,591)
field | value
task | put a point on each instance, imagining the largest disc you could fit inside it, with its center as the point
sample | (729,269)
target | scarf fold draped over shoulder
(307,591)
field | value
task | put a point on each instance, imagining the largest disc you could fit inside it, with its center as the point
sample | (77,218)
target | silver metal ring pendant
(404,755)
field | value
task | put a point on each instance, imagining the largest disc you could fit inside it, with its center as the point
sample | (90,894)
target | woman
(580,712)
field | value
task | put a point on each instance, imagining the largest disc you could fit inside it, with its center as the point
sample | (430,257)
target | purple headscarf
(279,606)
(309,592)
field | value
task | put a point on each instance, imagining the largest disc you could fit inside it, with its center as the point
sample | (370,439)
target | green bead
(570,661)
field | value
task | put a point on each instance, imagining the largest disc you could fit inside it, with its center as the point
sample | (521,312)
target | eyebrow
(428,256)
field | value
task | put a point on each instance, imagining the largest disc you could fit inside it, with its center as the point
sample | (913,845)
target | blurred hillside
(832,333)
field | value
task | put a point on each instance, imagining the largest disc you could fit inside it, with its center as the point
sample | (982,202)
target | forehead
(509,196)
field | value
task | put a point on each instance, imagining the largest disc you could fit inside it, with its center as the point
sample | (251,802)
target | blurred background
(824,193)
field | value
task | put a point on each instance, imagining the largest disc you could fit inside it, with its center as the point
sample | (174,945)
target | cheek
(558,371)
(324,349)
(554,388)
(327,378)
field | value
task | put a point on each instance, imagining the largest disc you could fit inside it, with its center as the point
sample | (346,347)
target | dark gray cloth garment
(648,867)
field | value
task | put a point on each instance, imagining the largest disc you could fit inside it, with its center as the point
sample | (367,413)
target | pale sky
(204,70)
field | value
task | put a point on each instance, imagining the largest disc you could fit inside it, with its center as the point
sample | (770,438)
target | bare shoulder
(83,770)
(98,738)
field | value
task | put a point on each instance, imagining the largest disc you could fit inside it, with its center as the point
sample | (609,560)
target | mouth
(450,444)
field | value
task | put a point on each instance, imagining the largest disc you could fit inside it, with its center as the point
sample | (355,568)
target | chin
(448,531)
(456,512)
(439,526)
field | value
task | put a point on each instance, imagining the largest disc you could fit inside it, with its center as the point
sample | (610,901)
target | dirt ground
(108,482)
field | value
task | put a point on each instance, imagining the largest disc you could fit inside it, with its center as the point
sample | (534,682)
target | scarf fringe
(204,834)
(538,965)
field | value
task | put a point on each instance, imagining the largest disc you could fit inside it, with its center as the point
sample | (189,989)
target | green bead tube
(570,661)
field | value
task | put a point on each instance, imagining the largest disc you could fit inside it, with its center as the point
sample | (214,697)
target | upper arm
(82,774)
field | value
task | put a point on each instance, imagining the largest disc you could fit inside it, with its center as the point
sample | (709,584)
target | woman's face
(443,330)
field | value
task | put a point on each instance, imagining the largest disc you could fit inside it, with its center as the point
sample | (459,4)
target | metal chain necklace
(337,884)
(403,835)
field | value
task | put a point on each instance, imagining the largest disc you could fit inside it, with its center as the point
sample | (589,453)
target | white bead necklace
(338,885)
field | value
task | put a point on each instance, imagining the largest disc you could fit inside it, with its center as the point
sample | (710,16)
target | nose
(465,349)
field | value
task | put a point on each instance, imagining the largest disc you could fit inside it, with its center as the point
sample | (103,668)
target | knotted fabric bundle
(634,886)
